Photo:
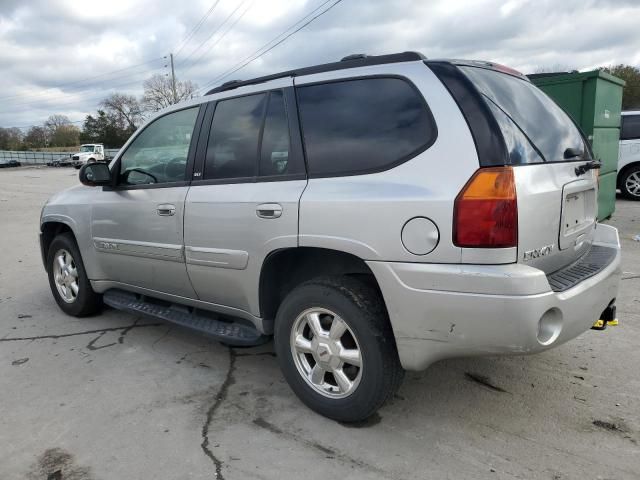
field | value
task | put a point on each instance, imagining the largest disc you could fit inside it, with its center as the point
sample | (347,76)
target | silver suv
(373,215)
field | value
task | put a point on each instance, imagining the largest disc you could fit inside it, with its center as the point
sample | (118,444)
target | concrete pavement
(122,397)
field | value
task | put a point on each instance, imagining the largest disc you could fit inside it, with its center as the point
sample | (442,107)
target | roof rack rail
(350,61)
(354,56)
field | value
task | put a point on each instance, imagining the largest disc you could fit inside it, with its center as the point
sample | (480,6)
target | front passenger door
(137,226)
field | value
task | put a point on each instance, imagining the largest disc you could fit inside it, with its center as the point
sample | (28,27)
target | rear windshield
(535,128)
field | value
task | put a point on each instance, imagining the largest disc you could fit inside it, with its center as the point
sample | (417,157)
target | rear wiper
(584,168)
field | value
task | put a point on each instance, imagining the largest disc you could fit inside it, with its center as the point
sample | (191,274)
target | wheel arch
(284,269)
(48,231)
(624,170)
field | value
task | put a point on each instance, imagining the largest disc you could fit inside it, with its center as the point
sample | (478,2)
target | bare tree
(56,121)
(36,137)
(125,108)
(158,92)
(10,138)
(61,132)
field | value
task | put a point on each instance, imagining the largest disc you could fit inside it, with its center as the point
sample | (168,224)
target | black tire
(87,302)
(624,177)
(362,309)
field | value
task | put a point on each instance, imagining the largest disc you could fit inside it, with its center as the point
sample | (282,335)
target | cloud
(48,47)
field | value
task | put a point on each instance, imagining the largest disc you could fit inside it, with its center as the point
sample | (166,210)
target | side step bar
(208,323)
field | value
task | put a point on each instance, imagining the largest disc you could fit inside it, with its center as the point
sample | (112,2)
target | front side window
(232,151)
(159,153)
(630,127)
(369,124)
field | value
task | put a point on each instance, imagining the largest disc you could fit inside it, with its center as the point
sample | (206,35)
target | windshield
(535,128)
(86,149)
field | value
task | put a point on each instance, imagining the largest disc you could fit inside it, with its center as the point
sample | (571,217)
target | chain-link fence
(44,158)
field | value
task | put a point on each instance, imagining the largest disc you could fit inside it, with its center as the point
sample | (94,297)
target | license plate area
(578,214)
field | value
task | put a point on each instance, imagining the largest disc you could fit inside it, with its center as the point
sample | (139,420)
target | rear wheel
(630,183)
(336,348)
(68,280)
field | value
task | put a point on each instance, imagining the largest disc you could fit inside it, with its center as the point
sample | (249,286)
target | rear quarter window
(630,127)
(536,129)
(363,125)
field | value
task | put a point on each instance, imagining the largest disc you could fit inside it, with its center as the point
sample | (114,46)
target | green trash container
(594,100)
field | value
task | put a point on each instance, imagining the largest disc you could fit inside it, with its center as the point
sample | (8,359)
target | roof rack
(350,61)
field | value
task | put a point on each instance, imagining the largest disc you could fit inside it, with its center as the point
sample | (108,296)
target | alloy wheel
(632,184)
(65,274)
(326,353)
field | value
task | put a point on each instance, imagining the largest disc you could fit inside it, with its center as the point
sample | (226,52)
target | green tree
(105,128)
(631,92)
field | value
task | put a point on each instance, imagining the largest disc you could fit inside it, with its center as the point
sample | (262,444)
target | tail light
(485,213)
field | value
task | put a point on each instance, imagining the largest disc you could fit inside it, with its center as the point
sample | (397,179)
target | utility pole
(173,80)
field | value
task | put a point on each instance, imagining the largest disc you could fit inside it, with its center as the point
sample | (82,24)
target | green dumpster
(594,100)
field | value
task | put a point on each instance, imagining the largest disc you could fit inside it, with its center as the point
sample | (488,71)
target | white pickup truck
(89,153)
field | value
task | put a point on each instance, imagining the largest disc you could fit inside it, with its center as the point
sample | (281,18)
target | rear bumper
(439,311)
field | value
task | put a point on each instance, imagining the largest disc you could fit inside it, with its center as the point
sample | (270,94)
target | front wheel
(68,279)
(630,183)
(336,348)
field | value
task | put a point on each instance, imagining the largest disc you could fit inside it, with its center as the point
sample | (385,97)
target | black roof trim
(481,64)
(351,61)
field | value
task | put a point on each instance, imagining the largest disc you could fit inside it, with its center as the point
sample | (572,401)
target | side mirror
(95,174)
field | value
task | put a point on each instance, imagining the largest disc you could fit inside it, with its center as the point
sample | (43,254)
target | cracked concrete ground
(121,397)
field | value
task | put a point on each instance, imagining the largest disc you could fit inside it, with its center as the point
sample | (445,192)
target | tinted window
(548,128)
(159,153)
(630,127)
(274,154)
(232,151)
(362,125)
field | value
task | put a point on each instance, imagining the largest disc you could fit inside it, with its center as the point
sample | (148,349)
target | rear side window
(364,125)
(630,127)
(535,128)
(232,151)
(274,152)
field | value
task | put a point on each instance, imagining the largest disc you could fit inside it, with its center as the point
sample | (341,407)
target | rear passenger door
(243,201)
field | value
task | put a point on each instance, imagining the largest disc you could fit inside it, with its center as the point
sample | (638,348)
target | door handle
(269,210)
(166,210)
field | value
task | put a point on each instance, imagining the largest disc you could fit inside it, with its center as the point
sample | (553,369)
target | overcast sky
(64,56)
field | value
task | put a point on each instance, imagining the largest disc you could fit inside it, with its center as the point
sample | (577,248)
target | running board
(208,323)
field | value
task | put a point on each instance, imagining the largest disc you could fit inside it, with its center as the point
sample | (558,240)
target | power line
(255,55)
(201,22)
(82,98)
(90,90)
(86,79)
(219,39)
(212,33)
